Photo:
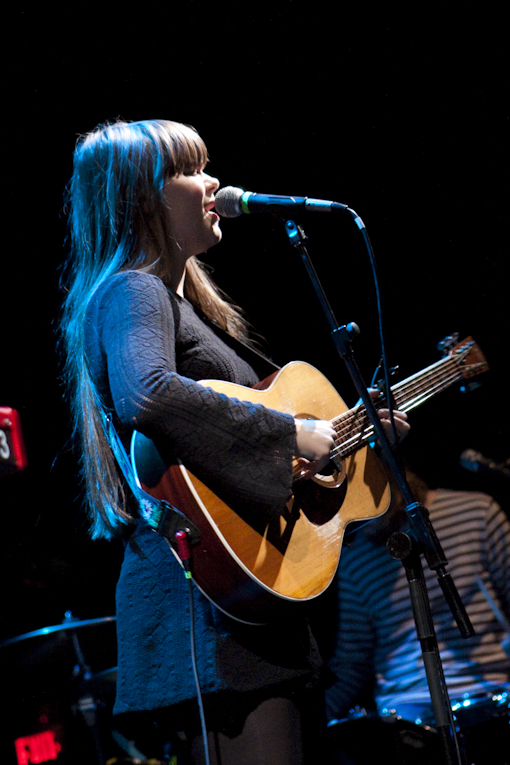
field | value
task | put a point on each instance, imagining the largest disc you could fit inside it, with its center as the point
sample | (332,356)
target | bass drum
(482,723)
(367,739)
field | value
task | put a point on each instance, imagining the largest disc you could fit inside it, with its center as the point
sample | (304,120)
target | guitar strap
(165,519)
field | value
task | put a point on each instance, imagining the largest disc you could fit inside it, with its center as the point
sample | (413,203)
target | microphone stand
(406,547)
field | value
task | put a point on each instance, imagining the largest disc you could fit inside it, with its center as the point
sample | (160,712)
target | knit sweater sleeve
(131,344)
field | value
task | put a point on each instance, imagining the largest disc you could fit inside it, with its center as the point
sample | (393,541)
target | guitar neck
(418,388)
(354,428)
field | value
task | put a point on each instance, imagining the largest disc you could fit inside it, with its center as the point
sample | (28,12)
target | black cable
(185,555)
(382,339)
(195,672)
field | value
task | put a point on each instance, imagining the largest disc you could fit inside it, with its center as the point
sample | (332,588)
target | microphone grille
(228,202)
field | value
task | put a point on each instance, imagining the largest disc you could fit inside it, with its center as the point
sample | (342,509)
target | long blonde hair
(117,222)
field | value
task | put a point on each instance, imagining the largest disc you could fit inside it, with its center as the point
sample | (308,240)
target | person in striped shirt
(376,653)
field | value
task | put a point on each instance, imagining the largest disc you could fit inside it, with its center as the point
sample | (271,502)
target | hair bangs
(186,148)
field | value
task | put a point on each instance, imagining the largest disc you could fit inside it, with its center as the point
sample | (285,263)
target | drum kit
(407,736)
(59,709)
(56,707)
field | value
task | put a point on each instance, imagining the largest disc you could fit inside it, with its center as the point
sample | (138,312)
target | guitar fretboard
(354,428)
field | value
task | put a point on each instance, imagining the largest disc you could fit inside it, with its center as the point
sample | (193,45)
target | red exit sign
(41,747)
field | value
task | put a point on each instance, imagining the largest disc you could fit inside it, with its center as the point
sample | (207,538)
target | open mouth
(209,209)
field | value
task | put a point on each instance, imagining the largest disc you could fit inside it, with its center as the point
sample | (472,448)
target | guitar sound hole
(318,501)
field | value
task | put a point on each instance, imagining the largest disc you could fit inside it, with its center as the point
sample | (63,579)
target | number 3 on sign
(5,452)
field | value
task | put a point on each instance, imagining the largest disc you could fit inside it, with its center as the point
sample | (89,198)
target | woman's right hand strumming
(315,440)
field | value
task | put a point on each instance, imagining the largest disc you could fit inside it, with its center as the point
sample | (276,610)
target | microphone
(477,463)
(231,202)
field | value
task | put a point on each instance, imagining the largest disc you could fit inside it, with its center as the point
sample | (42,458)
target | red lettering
(32,750)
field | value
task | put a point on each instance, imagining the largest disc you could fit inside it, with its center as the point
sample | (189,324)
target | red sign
(41,747)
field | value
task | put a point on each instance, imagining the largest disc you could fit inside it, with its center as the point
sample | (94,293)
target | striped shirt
(376,637)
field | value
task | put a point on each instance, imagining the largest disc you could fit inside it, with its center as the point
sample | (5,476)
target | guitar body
(251,573)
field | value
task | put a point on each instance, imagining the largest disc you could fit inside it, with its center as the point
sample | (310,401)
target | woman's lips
(209,208)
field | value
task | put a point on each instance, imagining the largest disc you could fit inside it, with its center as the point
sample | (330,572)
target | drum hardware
(481,723)
(473,709)
(408,734)
(69,623)
(121,760)
(134,756)
(468,710)
(87,704)
(362,737)
(81,693)
(87,687)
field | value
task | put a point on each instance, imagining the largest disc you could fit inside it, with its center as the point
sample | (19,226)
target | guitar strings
(354,428)
(363,431)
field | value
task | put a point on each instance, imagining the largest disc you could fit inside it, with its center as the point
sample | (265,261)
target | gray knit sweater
(146,348)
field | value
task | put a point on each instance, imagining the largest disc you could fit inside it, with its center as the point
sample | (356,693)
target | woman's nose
(212,183)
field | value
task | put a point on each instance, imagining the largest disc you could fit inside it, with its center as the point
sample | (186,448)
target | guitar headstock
(469,358)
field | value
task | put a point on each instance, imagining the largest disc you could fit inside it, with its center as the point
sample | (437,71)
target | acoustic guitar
(253,569)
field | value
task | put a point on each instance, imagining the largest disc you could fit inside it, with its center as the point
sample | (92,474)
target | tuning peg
(447,343)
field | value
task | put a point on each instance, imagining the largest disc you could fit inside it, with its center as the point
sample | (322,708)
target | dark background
(404,116)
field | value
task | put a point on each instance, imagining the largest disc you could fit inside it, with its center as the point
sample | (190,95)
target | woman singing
(142,323)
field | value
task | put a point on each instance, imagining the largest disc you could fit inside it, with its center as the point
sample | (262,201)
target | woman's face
(189,200)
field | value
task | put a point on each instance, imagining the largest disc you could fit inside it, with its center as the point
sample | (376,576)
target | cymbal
(67,624)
